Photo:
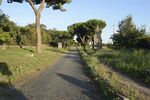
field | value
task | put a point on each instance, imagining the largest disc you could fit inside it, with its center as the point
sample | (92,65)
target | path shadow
(74,56)
(87,89)
(57,50)
(7,90)
(73,49)
(27,49)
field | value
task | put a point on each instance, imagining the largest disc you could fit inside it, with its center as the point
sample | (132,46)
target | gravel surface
(66,80)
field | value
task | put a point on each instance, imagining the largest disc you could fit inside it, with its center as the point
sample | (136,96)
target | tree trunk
(37,21)
(84,46)
(84,43)
(93,41)
(38,34)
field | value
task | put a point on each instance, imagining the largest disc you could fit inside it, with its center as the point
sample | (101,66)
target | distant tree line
(129,36)
(55,4)
(60,36)
(12,34)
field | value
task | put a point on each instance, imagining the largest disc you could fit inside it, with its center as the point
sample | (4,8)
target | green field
(16,63)
(135,63)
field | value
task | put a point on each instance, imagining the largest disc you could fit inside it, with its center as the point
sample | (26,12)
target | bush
(144,43)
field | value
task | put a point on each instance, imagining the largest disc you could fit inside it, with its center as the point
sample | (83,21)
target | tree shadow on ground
(57,50)
(74,56)
(4,70)
(87,89)
(7,90)
(27,49)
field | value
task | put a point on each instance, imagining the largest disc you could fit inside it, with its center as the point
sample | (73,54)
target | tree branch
(41,6)
(32,5)
(0,2)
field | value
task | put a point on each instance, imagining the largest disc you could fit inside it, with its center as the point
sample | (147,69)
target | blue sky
(111,11)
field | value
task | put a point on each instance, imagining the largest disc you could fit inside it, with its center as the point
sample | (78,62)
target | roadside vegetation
(127,57)
(110,83)
(135,63)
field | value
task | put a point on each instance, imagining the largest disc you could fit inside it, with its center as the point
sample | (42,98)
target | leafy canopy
(55,4)
(130,36)
(95,25)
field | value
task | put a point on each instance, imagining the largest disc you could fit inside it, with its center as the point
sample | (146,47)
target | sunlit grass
(136,63)
(17,63)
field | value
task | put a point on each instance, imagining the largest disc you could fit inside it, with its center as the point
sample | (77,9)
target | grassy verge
(16,63)
(135,63)
(109,82)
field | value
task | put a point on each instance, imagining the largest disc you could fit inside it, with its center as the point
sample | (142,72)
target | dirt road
(66,80)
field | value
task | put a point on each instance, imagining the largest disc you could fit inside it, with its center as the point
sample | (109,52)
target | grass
(16,63)
(110,83)
(136,63)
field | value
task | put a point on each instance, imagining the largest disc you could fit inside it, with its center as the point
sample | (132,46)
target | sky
(111,11)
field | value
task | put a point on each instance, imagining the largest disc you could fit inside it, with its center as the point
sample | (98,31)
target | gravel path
(66,80)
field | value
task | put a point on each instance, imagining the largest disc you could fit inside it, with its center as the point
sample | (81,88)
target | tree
(55,4)
(95,26)
(144,43)
(128,35)
(28,34)
(80,30)
(4,37)
(65,38)
(84,30)
(19,40)
(60,36)
(8,28)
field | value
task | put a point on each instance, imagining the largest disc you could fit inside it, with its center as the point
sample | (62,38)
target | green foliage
(135,63)
(108,45)
(12,34)
(8,30)
(28,37)
(86,30)
(55,4)
(46,38)
(60,36)
(129,36)
(110,82)
(4,37)
(80,30)
(94,25)
(144,42)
